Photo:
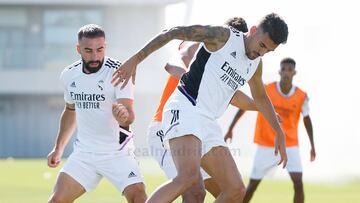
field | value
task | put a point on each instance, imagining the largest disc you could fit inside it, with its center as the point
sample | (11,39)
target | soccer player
(102,115)
(177,66)
(224,62)
(289,102)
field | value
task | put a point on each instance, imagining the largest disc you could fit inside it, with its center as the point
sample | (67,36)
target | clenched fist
(54,158)
(120,113)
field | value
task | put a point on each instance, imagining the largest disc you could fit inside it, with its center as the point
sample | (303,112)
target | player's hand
(54,158)
(312,154)
(125,72)
(120,113)
(228,137)
(280,147)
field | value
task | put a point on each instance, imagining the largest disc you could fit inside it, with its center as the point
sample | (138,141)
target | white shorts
(181,118)
(88,169)
(265,160)
(161,154)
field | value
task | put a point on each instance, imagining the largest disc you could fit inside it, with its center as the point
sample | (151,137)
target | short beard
(92,69)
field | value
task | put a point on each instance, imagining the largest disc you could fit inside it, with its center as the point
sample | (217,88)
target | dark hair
(90,31)
(288,60)
(276,27)
(237,23)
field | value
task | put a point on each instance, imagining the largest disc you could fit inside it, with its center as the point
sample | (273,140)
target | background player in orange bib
(289,101)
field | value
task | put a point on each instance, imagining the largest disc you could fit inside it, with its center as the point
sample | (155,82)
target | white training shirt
(93,96)
(214,77)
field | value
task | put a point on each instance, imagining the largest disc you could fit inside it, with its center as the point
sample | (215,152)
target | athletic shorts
(265,160)
(88,168)
(161,154)
(181,118)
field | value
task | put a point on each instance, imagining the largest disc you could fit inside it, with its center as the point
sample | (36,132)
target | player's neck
(285,87)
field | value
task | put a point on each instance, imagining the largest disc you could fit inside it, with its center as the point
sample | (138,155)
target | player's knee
(194,195)
(57,199)
(298,185)
(251,187)
(135,193)
(186,180)
(235,192)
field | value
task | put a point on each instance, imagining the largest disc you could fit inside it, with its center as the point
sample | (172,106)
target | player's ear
(78,48)
(253,29)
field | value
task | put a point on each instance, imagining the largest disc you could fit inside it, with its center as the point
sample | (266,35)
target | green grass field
(31,181)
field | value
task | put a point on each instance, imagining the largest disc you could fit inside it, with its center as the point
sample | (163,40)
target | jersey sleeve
(127,92)
(305,107)
(67,96)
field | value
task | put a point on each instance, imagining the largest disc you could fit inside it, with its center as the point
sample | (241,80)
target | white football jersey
(214,77)
(93,96)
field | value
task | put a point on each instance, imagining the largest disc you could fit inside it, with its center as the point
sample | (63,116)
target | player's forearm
(309,130)
(198,33)
(236,118)
(66,129)
(265,106)
(242,101)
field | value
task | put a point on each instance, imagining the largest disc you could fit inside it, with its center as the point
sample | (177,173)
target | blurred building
(37,40)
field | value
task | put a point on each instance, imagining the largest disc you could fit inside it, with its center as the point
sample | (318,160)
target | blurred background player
(102,115)
(289,102)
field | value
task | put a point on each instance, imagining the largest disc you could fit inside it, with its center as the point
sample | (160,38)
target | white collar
(291,92)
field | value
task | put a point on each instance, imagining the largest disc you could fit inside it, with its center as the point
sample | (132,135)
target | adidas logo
(233,54)
(73,84)
(131,175)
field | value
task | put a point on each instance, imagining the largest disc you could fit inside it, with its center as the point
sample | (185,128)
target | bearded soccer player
(102,115)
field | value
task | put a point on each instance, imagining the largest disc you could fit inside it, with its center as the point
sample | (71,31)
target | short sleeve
(127,92)
(67,96)
(305,110)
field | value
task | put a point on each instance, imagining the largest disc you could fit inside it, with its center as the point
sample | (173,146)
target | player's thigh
(220,165)
(296,177)
(186,154)
(66,189)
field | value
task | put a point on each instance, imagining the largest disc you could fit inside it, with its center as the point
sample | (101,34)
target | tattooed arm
(214,38)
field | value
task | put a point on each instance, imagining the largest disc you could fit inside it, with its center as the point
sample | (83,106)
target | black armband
(127,128)
(70,109)
(124,133)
